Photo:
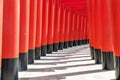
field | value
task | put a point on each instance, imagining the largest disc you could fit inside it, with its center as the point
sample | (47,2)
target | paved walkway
(69,64)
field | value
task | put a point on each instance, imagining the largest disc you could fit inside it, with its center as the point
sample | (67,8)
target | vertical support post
(24,34)
(70,29)
(66,28)
(116,37)
(107,46)
(75,24)
(56,26)
(44,27)
(78,26)
(38,30)
(79,31)
(91,26)
(1,28)
(50,26)
(10,46)
(62,31)
(84,30)
(97,34)
(32,31)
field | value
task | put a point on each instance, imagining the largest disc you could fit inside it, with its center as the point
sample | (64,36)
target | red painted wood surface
(51,22)
(56,22)
(24,25)
(85,28)
(39,24)
(10,46)
(78,25)
(70,26)
(62,23)
(82,28)
(89,9)
(45,22)
(66,37)
(116,26)
(106,22)
(32,24)
(91,21)
(1,27)
(97,24)
(74,26)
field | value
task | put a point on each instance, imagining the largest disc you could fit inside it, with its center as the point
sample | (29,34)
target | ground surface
(69,64)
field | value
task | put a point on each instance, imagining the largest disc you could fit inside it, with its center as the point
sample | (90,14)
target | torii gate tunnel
(30,29)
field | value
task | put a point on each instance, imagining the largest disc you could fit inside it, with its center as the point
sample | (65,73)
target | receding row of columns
(103,20)
(30,29)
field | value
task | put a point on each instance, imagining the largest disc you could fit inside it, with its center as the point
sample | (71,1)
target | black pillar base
(49,48)
(79,42)
(92,52)
(10,69)
(65,45)
(86,41)
(60,47)
(83,42)
(37,53)
(117,67)
(31,56)
(97,56)
(70,43)
(55,47)
(23,61)
(43,50)
(107,61)
(75,43)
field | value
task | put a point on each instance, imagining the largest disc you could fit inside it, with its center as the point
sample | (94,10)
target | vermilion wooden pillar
(84,30)
(116,37)
(1,19)
(38,30)
(88,28)
(97,18)
(106,30)
(79,31)
(10,46)
(62,25)
(70,29)
(56,26)
(91,26)
(60,47)
(24,34)
(66,28)
(59,19)
(76,29)
(50,26)
(73,23)
(78,26)
(74,33)
(69,22)
(32,31)
(87,31)
(44,27)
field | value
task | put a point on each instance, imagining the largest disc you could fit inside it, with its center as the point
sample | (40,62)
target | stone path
(69,64)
